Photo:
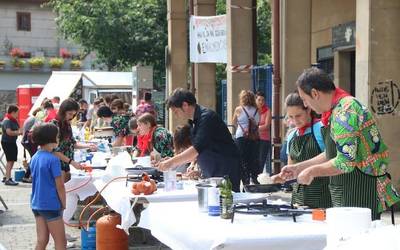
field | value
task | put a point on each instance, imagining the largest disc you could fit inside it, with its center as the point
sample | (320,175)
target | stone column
(205,72)
(177,51)
(377,70)
(240,50)
(295,42)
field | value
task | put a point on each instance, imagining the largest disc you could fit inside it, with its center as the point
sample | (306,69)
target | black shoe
(255,181)
(10,182)
(26,180)
(4,179)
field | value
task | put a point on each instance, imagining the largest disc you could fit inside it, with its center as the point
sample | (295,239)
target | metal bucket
(202,196)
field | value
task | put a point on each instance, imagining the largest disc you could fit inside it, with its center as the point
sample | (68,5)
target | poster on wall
(208,39)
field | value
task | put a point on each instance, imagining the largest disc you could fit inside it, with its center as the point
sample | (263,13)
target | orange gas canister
(108,236)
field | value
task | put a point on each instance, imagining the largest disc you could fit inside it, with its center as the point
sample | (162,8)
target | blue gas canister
(19,174)
(88,238)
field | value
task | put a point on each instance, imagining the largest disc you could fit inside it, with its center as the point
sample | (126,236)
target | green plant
(56,62)
(16,62)
(37,61)
(76,64)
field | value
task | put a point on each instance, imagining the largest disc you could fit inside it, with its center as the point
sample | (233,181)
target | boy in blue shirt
(48,191)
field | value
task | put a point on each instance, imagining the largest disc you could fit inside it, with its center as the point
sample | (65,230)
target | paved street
(17,225)
(18,229)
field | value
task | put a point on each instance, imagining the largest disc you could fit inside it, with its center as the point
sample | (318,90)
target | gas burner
(268,209)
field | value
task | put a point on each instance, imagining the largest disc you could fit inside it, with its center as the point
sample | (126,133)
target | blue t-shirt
(45,168)
(317,133)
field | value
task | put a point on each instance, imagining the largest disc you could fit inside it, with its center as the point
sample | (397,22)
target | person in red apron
(355,157)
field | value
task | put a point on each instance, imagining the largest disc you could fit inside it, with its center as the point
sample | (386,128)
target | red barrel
(26,97)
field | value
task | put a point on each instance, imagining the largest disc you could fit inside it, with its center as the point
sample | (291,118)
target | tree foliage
(121,32)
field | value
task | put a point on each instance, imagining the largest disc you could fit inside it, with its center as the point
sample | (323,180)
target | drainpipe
(254,29)
(277,86)
(192,71)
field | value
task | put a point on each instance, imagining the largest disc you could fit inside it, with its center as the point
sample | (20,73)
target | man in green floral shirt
(355,157)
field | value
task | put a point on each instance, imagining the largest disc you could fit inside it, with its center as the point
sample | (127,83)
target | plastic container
(213,201)
(88,238)
(19,174)
(170,180)
(202,196)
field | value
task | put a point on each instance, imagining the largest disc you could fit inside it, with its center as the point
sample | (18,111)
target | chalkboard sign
(343,35)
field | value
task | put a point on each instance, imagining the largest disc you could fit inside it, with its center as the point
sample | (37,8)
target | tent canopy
(63,83)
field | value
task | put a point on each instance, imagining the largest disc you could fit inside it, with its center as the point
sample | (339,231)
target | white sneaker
(70,245)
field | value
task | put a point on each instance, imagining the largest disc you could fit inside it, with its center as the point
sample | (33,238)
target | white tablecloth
(117,194)
(181,226)
(81,193)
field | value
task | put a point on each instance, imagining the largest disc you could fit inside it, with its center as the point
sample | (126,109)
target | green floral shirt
(120,125)
(360,145)
(65,146)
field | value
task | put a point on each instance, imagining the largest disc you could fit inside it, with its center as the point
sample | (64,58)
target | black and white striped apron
(315,195)
(354,189)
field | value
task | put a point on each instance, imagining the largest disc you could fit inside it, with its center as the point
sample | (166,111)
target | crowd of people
(333,149)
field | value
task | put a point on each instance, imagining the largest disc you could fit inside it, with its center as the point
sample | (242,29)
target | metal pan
(267,188)
(263,188)
(154,172)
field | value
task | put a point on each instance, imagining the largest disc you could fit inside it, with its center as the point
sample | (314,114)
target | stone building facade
(30,26)
(356,41)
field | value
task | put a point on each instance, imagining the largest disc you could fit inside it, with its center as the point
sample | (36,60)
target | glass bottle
(226,198)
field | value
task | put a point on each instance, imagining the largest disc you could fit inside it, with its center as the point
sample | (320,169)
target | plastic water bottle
(77,156)
(213,201)
(170,180)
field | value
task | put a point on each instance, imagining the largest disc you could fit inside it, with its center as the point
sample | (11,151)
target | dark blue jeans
(249,167)
(265,156)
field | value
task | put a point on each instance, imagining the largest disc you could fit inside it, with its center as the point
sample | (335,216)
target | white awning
(109,80)
(60,84)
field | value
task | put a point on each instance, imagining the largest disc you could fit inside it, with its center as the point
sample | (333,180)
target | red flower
(64,53)
(17,52)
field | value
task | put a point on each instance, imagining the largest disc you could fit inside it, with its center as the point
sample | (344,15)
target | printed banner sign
(208,39)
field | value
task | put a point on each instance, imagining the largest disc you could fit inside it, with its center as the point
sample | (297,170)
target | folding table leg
(4,204)
(2,164)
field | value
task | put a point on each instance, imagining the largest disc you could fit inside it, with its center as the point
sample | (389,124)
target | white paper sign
(208,39)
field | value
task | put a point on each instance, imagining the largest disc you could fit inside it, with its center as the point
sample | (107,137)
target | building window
(325,60)
(23,21)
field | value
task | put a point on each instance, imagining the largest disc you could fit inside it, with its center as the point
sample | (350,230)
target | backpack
(251,132)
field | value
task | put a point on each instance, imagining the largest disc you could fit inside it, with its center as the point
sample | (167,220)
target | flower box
(36,62)
(56,63)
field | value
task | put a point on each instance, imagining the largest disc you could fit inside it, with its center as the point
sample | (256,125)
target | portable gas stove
(269,209)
